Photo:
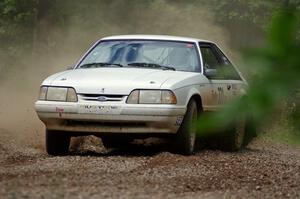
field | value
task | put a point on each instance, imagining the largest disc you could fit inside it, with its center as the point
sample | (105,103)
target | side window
(213,58)
(210,60)
(229,71)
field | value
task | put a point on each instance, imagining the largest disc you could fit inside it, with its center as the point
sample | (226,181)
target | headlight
(58,94)
(71,95)
(43,93)
(151,97)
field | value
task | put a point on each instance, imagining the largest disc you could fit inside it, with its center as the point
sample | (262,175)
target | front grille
(101,98)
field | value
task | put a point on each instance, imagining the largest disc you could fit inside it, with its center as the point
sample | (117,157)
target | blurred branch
(278,67)
(286,3)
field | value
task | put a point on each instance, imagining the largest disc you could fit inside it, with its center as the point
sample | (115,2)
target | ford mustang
(133,86)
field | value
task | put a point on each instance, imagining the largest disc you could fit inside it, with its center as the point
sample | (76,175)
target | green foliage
(252,11)
(277,69)
(248,11)
(246,19)
(25,24)
(16,22)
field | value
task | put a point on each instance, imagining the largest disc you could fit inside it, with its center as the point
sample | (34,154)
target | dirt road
(263,170)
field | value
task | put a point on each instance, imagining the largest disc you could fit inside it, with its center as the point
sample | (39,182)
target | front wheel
(57,142)
(186,135)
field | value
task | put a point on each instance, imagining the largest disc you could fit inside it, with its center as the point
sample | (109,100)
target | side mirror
(70,67)
(210,73)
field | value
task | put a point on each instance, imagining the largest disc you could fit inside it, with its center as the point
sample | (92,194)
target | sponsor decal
(179,120)
(59,111)
(190,45)
(228,87)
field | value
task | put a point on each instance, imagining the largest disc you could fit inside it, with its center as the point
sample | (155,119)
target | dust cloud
(60,47)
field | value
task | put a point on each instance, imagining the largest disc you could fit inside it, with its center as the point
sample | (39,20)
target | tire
(186,136)
(233,138)
(251,131)
(115,142)
(57,143)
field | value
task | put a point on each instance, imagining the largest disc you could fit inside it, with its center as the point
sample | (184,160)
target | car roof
(154,37)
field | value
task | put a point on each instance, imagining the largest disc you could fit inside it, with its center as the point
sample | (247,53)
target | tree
(247,19)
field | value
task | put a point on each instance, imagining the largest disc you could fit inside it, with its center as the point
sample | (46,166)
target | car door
(224,81)
(236,85)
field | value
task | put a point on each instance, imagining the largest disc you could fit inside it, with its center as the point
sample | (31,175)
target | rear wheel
(233,138)
(250,131)
(186,135)
(57,142)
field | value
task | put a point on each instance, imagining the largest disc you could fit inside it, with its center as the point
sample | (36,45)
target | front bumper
(107,117)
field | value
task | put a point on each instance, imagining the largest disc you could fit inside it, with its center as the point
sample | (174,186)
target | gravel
(263,170)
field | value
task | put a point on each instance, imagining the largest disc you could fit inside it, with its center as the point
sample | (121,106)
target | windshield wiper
(99,64)
(151,65)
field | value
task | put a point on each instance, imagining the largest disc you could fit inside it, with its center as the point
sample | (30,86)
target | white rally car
(134,86)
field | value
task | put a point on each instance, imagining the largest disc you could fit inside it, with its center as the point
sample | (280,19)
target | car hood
(113,80)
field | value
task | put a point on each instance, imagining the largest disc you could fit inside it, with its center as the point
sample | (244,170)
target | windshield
(181,56)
